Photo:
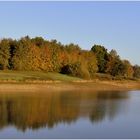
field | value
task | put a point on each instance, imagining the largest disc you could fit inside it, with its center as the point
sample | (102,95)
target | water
(70,115)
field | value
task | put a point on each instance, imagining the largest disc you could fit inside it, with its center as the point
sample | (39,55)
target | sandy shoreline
(77,85)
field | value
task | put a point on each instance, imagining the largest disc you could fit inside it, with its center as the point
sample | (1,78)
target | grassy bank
(36,76)
(36,81)
(25,76)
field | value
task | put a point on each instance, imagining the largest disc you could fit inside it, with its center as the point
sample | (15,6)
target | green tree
(4,54)
(102,57)
(20,59)
(115,66)
(90,59)
(136,69)
(128,69)
(38,41)
(113,62)
(13,45)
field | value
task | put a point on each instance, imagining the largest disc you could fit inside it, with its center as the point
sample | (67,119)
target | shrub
(76,69)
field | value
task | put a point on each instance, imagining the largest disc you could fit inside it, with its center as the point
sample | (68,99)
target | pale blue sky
(116,25)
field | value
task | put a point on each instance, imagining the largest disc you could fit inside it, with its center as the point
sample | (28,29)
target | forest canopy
(38,54)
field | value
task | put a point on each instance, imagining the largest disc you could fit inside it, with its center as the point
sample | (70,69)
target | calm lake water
(70,115)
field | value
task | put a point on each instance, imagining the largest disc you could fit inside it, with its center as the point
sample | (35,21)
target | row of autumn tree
(38,54)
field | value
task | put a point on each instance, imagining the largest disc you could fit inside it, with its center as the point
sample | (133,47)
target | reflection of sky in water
(72,115)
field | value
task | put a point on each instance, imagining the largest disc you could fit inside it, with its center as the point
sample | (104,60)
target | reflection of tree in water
(47,110)
(108,105)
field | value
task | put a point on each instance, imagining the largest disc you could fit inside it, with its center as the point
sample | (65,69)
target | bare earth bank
(77,85)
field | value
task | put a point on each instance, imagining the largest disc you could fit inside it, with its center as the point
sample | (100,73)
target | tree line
(38,54)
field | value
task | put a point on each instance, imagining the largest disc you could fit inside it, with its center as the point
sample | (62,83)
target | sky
(115,25)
